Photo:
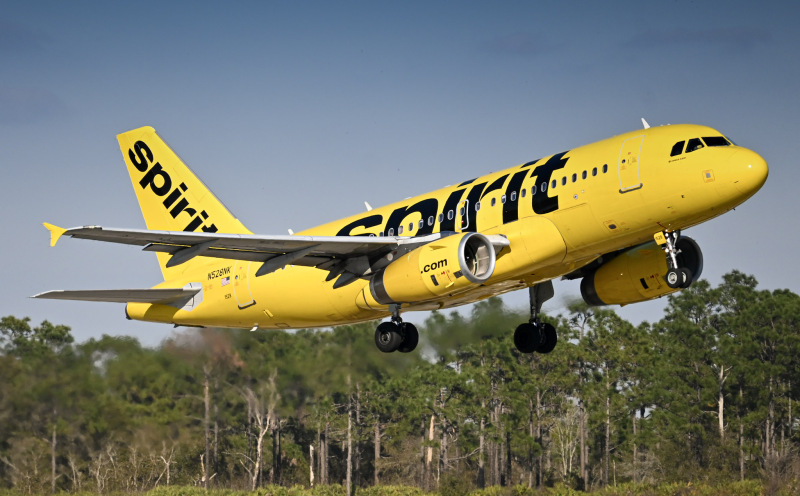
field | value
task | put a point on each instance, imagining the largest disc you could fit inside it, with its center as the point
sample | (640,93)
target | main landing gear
(396,335)
(536,335)
(677,277)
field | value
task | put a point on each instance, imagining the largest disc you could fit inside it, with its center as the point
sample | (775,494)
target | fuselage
(559,213)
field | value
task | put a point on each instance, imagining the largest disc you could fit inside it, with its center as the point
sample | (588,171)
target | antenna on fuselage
(645,124)
(369,207)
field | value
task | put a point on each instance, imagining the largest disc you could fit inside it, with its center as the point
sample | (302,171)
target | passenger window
(716,141)
(477,206)
(677,148)
(694,144)
(421,223)
(563,180)
(523,192)
(450,215)
(513,196)
(441,218)
(399,230)
(503,199)
(494,201)
(583,176)
(430,220)
(574,177)
(554,183)
(605,168)
(544,187)
(594,171)
(391,231)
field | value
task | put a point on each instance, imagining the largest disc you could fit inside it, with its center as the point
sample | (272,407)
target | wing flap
(162,296)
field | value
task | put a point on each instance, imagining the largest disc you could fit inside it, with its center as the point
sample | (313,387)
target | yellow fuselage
(559,214)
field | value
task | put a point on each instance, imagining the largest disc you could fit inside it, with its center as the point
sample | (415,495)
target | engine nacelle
(441,267)
(638,274)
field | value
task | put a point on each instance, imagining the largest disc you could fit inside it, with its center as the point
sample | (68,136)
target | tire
(410,337)
(675,278)
(687,278)
(526,338)
(550,338)
(387,337)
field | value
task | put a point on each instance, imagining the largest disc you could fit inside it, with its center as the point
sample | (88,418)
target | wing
(164,296)
(345,257)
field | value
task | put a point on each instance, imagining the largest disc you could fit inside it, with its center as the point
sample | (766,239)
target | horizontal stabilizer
(162,296)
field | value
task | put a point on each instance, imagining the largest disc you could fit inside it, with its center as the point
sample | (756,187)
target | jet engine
(445,266)
(638,274)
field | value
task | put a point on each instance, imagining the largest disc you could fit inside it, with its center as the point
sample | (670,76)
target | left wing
(345,257)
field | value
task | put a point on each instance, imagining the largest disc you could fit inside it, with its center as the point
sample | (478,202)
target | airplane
(610,213)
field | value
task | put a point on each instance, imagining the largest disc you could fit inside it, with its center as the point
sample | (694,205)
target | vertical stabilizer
(171,197)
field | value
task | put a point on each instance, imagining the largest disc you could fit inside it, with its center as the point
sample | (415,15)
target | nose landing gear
(677,277)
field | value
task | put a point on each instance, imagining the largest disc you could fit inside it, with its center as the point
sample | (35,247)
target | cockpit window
(677,148)
(716,141)
(694,144)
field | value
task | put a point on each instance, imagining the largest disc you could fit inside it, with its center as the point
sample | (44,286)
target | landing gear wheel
(679,278)
(550,338)
(388,337)
(675,278)
(410,337)
(687,278)
(527,338)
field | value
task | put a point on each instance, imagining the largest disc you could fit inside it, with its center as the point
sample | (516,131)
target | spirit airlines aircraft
(610,213)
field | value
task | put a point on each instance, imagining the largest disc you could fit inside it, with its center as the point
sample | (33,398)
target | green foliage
(685,405)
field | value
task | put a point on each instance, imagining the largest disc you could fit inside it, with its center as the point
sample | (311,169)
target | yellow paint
(642,191)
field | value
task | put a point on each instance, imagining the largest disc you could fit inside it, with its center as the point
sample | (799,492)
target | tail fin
(171,197)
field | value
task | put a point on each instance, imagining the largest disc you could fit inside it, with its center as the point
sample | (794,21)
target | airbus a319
(610,213)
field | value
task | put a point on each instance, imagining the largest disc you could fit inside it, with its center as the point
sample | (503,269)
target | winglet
(55,232)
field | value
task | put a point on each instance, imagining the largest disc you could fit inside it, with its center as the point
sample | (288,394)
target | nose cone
(750,172)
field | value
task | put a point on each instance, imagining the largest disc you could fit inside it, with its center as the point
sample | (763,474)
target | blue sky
(295,113)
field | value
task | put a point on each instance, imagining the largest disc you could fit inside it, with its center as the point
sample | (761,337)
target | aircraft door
(241,285)
(462,216)
(628,164)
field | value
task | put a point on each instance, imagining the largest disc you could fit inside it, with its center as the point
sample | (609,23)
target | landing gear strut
(677,277)
(396,335)
(536,335)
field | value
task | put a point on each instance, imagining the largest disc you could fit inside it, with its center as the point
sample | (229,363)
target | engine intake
(441,267)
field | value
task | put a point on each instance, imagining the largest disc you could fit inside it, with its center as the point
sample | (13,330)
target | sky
(295,113)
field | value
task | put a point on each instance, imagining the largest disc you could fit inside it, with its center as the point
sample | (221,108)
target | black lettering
(365,222)
(469,216)
(150,178)
(451,203)
(138,148)
(434,266)
(195,223)
(542,203)
(174,195)
(181,207)
(496,185)
(511,208)
(425,208)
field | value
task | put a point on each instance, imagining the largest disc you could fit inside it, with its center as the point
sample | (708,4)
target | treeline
(705,395)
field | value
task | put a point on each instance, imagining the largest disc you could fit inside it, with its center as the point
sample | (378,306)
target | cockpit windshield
(697,143)
(716,141)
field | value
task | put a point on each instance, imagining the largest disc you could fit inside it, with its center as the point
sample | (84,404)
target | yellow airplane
(610,213)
